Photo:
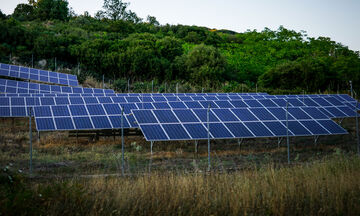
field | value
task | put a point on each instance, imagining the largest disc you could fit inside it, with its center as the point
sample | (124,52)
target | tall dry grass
(328,187)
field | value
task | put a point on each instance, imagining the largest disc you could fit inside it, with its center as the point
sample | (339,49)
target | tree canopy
(120,45)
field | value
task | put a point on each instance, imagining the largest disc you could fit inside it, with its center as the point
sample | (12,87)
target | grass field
(78,177)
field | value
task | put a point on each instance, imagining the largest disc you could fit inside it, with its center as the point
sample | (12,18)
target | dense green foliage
(119,44)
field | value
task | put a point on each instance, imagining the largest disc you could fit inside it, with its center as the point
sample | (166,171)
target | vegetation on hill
(120,45)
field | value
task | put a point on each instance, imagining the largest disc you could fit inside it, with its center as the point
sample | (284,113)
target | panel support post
(196,146)
(279,141)
(122,141)
(240,141)
(30,140)
(208,137)
(151,146)
(287,132)
(38,137)
(357,124)
(316,138)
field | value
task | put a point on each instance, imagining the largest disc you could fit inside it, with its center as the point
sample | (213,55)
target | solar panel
(37,75)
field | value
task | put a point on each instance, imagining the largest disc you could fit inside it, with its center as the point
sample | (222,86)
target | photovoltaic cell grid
(38,75)
(186,124)
(8,103)
(83,117)
(12,86)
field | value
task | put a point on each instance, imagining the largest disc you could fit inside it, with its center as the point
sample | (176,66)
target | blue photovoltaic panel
(321,102)
(238,104)
(280,102)
(253,103)
(118,99)
(258,129)
(42,111)
(104,100)
(60,111)
(101,122)
(198,98)
(297,129)
(91,100)
(5,111)
(314,113)
(218,130)
(95,109)
(116,122)
(62,100)
(277,128)
(4,101)
(197,131)
(262,114)
(202,115)
(161,105)
(239,130)
(145,105)
(144,116)
(267,103)
(177,105)
(76,100)
(78,110)
(18,111)
(159,99)
(224,104)
(244,115)
(333,101)
(153,132)
(185,115)
(206,104)
(328,114)
(132,99)
(279,113)
(82,123)
(165,116)
(146,99)
(332,127)
(225,115)
(64,123)
(176,131)
(112,109)
(314,127)
(47,101)
(349,112)
(128,107)
(310,102)
(18,101)
(336,112)
(44,124)
(298,113)
(295,102)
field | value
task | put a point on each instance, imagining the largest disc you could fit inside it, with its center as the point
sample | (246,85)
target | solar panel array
(38,75)
(12,86)
(332,110)
(185,124)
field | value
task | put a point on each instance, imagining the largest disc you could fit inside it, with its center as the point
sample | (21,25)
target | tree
(152,20)
(204,65)
(24,12)
(2,15)
(52,9)
(115,9)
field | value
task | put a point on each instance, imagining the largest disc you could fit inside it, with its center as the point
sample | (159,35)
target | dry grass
(327,187)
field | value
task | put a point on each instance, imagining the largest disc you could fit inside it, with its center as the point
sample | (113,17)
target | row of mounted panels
(134,117)
(173,102)
(38,75)
(13,86)
(231,130)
